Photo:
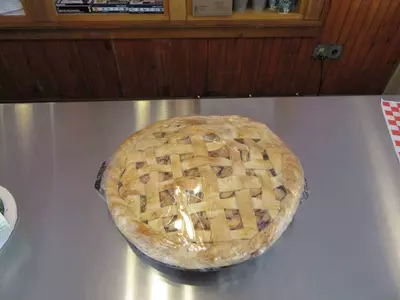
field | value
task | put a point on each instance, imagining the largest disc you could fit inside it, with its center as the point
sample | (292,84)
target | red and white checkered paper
(391,111)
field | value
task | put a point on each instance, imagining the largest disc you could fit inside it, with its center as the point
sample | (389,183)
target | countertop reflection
(343,244)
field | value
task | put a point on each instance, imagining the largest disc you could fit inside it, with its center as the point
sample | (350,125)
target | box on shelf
(73,6)
(110,6)
(206,8)
(146,7)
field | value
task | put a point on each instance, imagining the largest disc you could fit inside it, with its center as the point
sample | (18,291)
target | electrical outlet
(329,51)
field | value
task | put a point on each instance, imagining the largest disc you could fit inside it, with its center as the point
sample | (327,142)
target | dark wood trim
(150,33)
(157,24)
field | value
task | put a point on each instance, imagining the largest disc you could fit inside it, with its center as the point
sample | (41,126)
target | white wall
(393,87)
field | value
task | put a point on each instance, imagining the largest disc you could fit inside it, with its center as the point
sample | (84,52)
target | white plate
(10,213)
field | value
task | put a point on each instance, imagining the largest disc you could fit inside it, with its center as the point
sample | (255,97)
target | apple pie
(203,192)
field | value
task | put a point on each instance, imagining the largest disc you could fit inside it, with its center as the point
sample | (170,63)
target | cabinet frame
(41,21)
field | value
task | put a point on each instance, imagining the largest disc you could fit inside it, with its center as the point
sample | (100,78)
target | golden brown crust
(218,170)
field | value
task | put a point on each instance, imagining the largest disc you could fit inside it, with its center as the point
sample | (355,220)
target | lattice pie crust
(203,192)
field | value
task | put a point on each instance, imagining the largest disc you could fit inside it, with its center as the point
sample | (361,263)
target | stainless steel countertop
(343,244)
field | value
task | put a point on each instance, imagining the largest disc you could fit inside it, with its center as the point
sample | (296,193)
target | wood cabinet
(42,21)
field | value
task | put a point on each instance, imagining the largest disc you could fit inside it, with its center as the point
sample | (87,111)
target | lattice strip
(255,151)
(244,202)
(151,188)
(229,203)
(135,157)
(258,164)
(199,145)
(273,182)
(153,168)
(219,225)
(176,166)
(235,183)
(237,163)
(133,201)
(199,161)
(168,149)
(276,159)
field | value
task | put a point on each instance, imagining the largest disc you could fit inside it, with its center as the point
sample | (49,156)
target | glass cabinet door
(11,8)
(105,7)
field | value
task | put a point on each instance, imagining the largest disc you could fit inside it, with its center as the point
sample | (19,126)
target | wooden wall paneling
(353,62)
(274,65)
(216,67)
(330,29)
(180,62)
(384,35)
(360,26)
(234,56)
(311,86)
(331,21)
(163,65)
(65,66)
(99,63)
(127,66)
(360,84)
(353,13)
(334,31)
(313,76)
(389,57)
(287,59)
(268,65)
(303,6)
(8,85)
(38,64)
(250,66)
(314,9)
(347,26)
(198,66)
(147,67)
(18,68)
(301,67)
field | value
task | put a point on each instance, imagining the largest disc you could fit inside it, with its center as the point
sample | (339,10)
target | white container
(284,6)
(10,213)
(259,5)
(240,5)
(273,4)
